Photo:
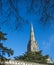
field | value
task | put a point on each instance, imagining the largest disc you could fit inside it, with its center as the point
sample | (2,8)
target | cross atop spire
(32,45)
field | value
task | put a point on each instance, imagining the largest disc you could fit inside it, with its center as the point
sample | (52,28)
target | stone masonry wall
(13,62)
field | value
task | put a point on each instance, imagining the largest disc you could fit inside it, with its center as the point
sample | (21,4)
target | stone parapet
(14,62)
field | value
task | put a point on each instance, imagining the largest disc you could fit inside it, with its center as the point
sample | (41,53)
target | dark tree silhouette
(45,9)
(36,57)
(4,50)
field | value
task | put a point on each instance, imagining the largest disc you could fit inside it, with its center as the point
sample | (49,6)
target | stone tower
(32,45)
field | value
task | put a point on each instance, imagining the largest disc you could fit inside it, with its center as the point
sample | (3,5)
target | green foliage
(50,64)
(33,57)
(4,50)
(2,36)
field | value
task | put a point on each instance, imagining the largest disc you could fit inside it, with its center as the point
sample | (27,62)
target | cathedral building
(32,45)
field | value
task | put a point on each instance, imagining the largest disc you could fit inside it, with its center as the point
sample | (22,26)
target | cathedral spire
(32,45)
(32,33)
(31,27)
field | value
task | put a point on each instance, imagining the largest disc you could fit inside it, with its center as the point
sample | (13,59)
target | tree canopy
(4,50)
(9,8)
(36,57)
